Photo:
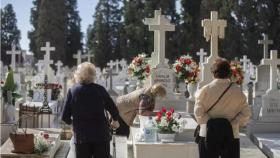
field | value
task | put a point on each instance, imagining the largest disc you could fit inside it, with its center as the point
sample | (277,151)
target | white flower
(182,122)
(174,128)
(163,123)
(181,129)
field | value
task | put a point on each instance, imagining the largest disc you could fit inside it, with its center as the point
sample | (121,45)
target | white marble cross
(47,56)
(89,56)
(201,55)
(58,66)
(13,54)
(273,62)
(214,29)
(245,62)
(123,64)
(265,42)
(161,25)
(111,64)
(117,63)
(79,57)
(40,65)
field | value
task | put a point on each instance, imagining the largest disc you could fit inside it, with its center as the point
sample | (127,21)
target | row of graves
(42,91)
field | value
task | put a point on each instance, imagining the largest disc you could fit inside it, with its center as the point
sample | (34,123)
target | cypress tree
(10,34)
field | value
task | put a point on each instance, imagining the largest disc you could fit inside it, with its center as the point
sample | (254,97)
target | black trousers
(123,130)
(233,152)
(88,150)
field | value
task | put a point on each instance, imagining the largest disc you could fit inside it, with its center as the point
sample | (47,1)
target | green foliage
(9,32)
(9,82)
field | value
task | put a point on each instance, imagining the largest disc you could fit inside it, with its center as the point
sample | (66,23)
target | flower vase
(139,84)
(192,87)
(166,137)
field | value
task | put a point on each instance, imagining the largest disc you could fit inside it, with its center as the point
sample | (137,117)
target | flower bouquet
(237,74)
(42,143)
(139,67)
(186,69)
(168,124)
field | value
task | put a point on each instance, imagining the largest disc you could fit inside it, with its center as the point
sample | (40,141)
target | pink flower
(163,110)
(172,110)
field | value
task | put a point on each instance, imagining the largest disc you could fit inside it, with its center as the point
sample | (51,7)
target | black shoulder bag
(197,129)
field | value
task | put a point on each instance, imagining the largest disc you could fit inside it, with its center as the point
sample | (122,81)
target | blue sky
(22,8)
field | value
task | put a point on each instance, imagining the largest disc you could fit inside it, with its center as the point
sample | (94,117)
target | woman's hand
(115,124)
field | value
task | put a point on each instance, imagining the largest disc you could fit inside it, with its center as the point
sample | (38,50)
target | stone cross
(245,62)
(111,64)
(265,42)
(58,65)
(160,24)
(123,64)
(273,62)
(13,54)
(201,55)
(109,73)
(89,56)
(79,57)
(117,63)
(47,60)
(214,29)
(40,65)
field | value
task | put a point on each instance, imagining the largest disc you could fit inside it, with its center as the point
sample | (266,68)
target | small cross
(201,55)
(273,62)
(40,65)
(123,64)
(89,56)
(111,64)
(79,57)
(58,65)
(110,74)
(265,42)
(245,62)
(13,54)
(48,48)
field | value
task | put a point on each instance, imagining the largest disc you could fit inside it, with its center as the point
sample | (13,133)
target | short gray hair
(85,73)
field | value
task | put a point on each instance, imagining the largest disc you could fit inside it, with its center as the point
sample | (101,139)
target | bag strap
(219,98)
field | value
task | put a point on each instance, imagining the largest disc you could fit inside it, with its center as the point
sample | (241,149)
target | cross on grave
(123,64)
(159,24)
(109,73)
(265,42)
(201,55)
(273,62)
(214,29)
(79,57)
(89,56)
(48,48)
(58,66)
(40,65)
(245,62)
(13,54)
(111,64)
(117,63)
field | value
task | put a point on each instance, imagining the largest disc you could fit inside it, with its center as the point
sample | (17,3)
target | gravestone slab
(164,76)
(270,111)
(262,80)
(269,143)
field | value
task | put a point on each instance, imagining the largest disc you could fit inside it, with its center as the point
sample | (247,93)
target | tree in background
(105,39)
(73,31)
(32,35)
(10,34)
(52,27)
(133,31)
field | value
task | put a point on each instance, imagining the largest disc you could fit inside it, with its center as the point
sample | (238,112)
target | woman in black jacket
(85,108)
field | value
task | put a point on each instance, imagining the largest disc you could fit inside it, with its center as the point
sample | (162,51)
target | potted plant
(139,68)
(187,70)
(168,124)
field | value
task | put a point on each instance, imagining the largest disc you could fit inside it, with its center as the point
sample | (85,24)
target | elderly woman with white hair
(84,109)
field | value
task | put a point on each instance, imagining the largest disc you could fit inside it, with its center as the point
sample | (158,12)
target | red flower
(46,136)
(158,118)
(178,68)
(147,69)
(172,110)
(168,114)
(188,61)
(163,110)
(181,60)
(168,117)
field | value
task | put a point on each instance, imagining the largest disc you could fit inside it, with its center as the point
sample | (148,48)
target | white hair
(85,73)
